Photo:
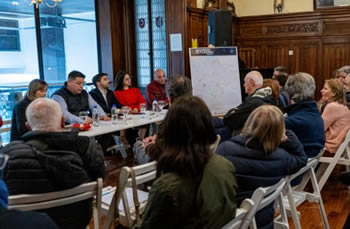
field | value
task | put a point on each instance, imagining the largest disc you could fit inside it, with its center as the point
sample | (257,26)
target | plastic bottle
(95,116)
(114,114)
(155,106)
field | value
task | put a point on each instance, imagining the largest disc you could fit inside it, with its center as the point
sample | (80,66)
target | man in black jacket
(49,159)
(102,94)
(235,118)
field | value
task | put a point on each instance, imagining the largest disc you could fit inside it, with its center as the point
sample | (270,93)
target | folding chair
(294,197)
(245,215)
(341,157)
(129,212)
(54,199)
(270,194)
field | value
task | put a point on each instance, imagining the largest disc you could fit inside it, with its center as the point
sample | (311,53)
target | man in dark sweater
(73,99)
(50,159)
(156,89)
(102,94)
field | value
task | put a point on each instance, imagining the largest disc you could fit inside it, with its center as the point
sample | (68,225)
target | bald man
(156,89)
(235,118)
(50,159)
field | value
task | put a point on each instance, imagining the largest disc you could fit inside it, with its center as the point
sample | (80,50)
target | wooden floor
(336,197)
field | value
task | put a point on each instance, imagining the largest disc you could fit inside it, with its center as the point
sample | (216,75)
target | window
(9,35)
(150,46)
(67,42)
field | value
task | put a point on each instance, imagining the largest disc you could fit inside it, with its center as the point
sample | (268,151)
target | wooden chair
(129,212)
(60,198)
(341,157)
(293,197)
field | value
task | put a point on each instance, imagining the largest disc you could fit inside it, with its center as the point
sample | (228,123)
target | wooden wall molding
(312,27)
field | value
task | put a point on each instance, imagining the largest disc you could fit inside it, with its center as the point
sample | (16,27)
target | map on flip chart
(215,77)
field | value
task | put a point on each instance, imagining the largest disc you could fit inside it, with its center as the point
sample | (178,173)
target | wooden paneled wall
(314,42)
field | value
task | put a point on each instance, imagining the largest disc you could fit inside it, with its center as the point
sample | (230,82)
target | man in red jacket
(156,89)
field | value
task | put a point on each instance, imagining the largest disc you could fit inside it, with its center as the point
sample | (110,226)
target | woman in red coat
(126,94)
(130,97)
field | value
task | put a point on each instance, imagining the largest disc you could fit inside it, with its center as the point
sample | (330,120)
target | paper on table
(108,193)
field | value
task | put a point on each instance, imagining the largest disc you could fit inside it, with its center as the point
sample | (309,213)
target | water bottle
(114,114)
(95,116)
(155,105)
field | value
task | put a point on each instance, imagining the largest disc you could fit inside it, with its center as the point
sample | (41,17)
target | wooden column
(104,35)
(123,37)
(176,22)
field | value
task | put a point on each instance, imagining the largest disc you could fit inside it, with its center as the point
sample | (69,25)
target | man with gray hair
(343,74)
(50,159)
(235,118)
(176,87)
(303,116)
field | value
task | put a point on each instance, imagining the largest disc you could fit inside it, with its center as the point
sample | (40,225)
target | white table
(133,121)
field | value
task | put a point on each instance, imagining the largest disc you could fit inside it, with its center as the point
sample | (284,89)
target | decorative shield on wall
(142,23)
(159,21)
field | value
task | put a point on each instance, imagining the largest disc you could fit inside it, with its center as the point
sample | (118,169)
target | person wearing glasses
(17,219)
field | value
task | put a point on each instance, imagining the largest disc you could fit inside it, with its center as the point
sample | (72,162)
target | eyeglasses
(3,160)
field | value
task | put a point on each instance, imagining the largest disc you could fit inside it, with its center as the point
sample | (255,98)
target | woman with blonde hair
(263,154)
(336,115)
(37,89)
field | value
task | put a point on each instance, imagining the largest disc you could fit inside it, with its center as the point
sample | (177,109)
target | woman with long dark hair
(195,187)
(36,89)
(131,98)
(126,94)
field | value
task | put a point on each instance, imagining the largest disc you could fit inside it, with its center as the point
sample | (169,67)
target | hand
(284,137)
(105,118)
(89,120)
(135,111)
(149,140)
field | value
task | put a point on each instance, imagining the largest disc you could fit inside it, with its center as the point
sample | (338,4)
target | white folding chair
(54,199)
(341,157)
(293,197)
(128,213)
(270,194)
(244,215)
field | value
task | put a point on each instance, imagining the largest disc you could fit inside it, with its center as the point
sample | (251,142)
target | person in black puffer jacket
(50,160)
(262,155)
